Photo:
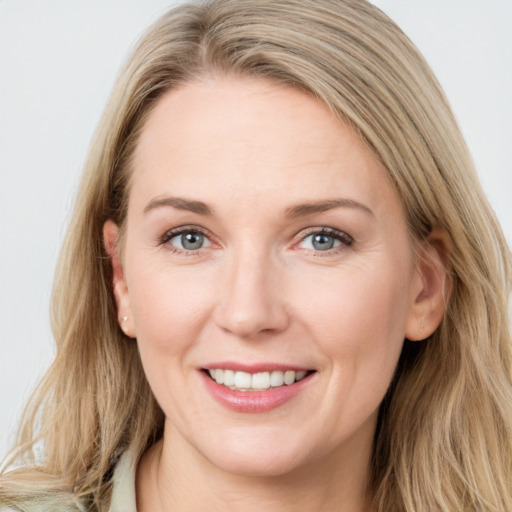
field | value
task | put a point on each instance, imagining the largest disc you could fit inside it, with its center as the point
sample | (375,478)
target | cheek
(168,308)
(359,326)
(359,317)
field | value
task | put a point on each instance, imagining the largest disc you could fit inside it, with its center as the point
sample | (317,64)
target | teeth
(261,380)
(276,379)
(244,381)
(219,376)
(300,375)
(289,377)
(229,378)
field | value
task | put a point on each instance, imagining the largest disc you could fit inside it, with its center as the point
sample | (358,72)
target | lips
(251,389)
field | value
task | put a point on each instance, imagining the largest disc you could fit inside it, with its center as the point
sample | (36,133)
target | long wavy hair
(444,437)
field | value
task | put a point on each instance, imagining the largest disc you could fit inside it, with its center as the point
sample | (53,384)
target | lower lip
(254,401)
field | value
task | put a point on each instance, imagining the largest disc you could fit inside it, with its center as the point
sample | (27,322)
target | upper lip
(255,367)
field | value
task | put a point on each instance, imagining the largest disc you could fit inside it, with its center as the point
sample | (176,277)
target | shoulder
(42,505)
(122,500)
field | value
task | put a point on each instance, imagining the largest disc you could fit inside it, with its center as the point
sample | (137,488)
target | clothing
(123,492)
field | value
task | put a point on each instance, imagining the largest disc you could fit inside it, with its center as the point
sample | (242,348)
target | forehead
(254,139)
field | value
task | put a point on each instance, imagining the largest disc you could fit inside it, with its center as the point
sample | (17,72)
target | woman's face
(264,243)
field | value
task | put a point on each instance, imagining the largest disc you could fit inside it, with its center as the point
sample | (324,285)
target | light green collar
(123,489)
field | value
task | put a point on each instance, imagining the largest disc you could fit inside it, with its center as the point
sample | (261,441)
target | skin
(258,291)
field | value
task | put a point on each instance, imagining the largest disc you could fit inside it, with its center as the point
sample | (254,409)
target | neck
(333,482)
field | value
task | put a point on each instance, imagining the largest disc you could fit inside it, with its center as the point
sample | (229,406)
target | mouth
(259,381)
(257,387)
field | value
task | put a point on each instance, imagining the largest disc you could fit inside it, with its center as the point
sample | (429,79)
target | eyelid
(344,238)
(190,228)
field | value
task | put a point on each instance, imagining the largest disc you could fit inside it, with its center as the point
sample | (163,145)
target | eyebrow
(180,204)
(293,212)
(302,210)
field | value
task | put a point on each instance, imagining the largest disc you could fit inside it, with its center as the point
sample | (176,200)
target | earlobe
(431,287)
(119,286)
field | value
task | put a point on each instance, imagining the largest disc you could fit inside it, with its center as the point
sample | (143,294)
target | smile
(255,388)
(261,381)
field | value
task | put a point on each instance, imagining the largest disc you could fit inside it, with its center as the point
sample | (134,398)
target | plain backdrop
(58,61)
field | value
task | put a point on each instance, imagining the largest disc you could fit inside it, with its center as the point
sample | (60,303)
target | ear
(119,286)
(431,287)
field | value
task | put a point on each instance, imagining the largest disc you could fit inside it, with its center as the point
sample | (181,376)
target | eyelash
(340,236)
(169,235)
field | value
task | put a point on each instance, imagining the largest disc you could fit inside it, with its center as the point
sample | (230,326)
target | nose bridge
(251,301)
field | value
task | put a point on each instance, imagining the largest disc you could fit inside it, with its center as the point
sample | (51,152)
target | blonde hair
(445,431)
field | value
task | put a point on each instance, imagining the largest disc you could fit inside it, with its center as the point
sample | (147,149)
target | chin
(265,465)
(258,458)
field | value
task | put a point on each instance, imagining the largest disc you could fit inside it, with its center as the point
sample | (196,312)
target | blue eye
(325,240)
(188,240)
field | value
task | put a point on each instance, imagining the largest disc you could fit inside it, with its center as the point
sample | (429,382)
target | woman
(341,346)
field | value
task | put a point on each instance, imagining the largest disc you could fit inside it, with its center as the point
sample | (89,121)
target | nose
(251,298)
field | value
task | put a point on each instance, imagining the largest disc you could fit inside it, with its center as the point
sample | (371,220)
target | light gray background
(58,61)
